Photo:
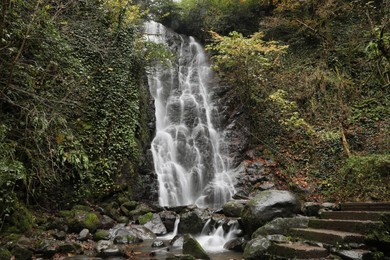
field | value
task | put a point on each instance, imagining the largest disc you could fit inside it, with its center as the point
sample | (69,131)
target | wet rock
(21,252)
(107,222)
(229,224)
(266,206)
(256,248)
(234,208)
(181,257)
(106,248)
(192,247)
(131,233)
(158,243)
(193,221)
(281,226)
(235,244)
(156,225)
(83,235)
(168,218)
(101,234)
(177,241)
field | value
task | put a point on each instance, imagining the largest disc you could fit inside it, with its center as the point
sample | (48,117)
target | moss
(20,221)
(80,219)
(192,247)
(145,218)
(5,254)
(101,234)
(380,237)
(21,253)
(92,221)
(365,178)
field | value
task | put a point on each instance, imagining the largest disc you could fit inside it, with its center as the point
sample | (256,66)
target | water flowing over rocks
(189,151)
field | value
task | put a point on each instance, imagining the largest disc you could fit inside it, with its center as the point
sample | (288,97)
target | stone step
(354,254)
(331,237)
(365,206)
(353,215)
(297,250)
(354,226)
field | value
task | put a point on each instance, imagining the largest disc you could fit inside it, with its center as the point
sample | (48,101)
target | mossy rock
(380,237)
(21,253)
(101,234)
(20,221)
(140,210)
(192,247)
(130,205)
(145,218)
(80,219)
(5,254)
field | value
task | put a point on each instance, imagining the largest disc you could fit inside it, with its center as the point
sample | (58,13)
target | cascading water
(188,151)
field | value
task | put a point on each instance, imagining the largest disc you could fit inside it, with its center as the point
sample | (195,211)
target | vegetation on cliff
(73,103)
(320,107)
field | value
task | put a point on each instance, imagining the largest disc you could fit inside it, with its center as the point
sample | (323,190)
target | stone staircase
(336,234)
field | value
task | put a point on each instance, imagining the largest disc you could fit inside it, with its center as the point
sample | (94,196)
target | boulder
(266,206)
(193,221)
(192,247)
(168,218)
(131,233)
(233,208)
(281,226)
(177,241)
(256,248)
(140,210)
(235,244)
(78,219)
(156,225)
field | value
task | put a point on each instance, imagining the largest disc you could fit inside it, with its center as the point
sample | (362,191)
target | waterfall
(188,150)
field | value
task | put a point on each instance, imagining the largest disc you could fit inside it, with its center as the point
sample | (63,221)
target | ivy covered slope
(312,81)
(73,102)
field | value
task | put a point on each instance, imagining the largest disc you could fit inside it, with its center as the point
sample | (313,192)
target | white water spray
(189,153)
(213,239)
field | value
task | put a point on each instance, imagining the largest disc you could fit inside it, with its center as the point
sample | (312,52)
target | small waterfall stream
(189,153)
